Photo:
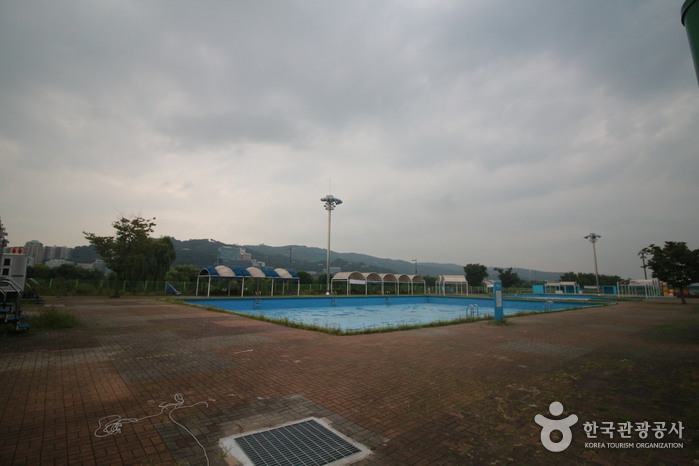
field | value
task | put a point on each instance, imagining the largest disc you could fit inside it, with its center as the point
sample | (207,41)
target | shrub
(52,319)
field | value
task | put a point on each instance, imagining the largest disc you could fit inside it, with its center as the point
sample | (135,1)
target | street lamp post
(593,237)
(644,266)
(329,202)
(415,260)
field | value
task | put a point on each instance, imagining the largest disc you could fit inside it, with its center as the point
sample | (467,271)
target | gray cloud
(472,131)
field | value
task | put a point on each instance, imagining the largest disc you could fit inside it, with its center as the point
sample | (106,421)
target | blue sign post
(497,298)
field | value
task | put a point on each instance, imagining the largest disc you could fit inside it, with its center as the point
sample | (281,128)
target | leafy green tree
(674,263)
(430,280)
(39,271)
(588,279)
(182,273)
(131,254)
(475,273)
(508,277)
(84,254)
(322,278)
(158,260)
(305,278)
(67,271)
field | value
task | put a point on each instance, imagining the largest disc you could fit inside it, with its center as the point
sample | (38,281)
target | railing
(104,287)
(473,311)
(12,312)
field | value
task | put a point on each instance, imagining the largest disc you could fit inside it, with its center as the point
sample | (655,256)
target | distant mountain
(204,252)
(196,252)
(313,259)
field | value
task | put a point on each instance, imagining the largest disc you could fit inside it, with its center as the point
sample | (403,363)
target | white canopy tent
(647,288)
(366,278)
(458,281)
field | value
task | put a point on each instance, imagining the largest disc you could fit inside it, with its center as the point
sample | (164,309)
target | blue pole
(497,298)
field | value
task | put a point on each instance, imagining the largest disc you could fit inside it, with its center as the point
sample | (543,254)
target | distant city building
(232,253)
(235,256)
(101,266)
(260,264)
(35,250)
(57,252)
(98,265)
(57,262)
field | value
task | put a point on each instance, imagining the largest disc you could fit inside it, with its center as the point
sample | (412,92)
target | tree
(588,279)
(674,263)
(508,277)
(475,273)
(66,271)
(131,254)
(323,278)
(305,278)
(182,273)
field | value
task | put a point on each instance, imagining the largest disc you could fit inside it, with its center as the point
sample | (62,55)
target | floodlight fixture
(330,202)
(592,238)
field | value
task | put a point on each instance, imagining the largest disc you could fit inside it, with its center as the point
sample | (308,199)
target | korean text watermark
(608,434)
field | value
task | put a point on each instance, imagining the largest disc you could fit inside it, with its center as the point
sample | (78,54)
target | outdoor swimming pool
(359,313)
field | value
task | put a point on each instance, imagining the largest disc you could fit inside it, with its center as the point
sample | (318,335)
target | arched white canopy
(224,272)
(365,278)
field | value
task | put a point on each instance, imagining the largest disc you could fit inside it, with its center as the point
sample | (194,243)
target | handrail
(473,310)
(14,285)
(8,282)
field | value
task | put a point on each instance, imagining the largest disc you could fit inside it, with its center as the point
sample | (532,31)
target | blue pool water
(357,313)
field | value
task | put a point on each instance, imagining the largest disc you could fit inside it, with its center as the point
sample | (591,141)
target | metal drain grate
(308,442)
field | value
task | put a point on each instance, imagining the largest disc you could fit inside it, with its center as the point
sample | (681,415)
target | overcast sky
(479,131)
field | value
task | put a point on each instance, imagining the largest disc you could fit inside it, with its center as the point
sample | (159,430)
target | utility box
(13,267)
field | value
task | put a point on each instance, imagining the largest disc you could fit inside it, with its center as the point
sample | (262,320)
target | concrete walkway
(460,394)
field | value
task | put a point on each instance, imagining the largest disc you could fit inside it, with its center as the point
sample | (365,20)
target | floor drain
(307,442)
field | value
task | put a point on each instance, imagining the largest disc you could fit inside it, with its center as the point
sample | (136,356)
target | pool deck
(462,394)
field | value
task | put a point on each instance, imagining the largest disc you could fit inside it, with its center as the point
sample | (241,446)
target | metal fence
(253,287)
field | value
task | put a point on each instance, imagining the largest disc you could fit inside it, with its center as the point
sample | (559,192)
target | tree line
(476,273)
(132,254)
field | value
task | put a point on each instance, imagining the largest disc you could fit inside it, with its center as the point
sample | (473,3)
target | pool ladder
(258,303)
(548,305)
(473,311)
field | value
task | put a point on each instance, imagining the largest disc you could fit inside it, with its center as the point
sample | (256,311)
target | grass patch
(505,322)
(41,319)
(682,331)
(52,319)
(685,331)
(363,331)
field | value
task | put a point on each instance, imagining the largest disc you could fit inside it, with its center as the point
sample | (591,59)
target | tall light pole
(644,266)
(330,202)
(593,237)
(3,241)
(415,260)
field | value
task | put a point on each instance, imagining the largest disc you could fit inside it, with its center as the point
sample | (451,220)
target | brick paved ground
(448,395)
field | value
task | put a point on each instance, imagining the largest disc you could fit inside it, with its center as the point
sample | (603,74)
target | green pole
(690,20)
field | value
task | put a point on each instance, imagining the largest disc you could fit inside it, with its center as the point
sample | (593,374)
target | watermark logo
(549,426)
(607,434)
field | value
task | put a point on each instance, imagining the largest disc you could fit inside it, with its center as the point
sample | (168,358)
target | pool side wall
(246,305)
